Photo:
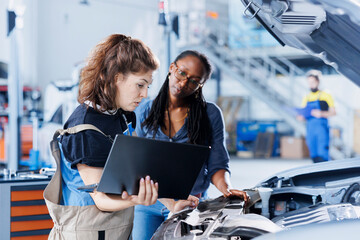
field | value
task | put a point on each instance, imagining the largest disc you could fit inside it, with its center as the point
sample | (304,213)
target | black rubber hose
(353,188)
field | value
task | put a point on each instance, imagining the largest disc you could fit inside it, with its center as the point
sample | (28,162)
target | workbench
(23,213)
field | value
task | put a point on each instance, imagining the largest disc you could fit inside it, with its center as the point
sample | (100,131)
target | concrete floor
(246,173)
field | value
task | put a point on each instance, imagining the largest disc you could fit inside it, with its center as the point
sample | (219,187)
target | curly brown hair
(117,54)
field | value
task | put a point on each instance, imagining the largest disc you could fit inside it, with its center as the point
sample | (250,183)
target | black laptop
(175,166)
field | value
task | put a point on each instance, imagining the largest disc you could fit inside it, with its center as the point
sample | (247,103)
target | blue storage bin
(247,131)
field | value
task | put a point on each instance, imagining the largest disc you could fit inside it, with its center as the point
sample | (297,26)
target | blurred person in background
(319,106)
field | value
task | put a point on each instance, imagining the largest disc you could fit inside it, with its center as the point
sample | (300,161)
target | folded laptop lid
(175,166)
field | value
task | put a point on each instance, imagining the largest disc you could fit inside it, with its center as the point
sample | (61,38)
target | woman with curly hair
(113,83)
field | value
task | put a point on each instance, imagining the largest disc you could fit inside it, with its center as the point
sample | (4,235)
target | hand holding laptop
(148,193)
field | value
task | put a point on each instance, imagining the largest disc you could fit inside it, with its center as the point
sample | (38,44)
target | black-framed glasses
(191,82)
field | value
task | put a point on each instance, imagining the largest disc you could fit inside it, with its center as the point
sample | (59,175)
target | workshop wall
(57,35)
(67,30)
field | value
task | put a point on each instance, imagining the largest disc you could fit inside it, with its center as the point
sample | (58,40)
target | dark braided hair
(198,127)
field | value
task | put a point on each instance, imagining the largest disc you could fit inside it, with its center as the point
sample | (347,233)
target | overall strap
(78,128)
(53,190)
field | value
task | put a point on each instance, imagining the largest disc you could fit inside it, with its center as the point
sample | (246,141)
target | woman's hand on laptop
(148,193)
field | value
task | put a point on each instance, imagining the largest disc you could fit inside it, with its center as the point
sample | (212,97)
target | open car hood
(312,195)
(320,174)
(326,29)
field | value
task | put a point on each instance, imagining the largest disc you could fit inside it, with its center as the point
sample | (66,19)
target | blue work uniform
(148,218)
(317,129)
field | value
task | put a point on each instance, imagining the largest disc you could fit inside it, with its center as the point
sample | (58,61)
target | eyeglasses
(191,82)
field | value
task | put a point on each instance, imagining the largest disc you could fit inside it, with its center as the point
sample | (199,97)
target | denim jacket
(219,157)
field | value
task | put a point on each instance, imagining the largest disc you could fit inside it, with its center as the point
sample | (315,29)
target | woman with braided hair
(180,113)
